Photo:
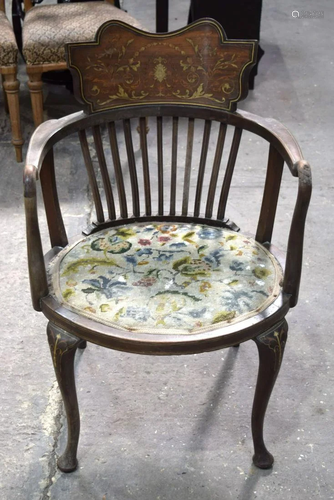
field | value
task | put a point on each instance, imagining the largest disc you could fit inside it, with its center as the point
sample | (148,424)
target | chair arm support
(294,256)
(280,137)
(37,271)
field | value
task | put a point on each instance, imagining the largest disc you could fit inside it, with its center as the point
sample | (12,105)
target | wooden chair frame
(68,330)
(11,87)
(35,72)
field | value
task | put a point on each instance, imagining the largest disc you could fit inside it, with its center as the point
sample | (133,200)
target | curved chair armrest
(293,266)
(286,145)
(37,271)
(47,134)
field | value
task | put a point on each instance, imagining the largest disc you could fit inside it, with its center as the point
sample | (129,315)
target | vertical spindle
(104,172)
(174,166)
(91,176)
(201,169)
(229,173)
(215,170)
(132,167)
(118,169)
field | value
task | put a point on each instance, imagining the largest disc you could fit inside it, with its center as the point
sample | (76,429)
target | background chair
(10,84)
(160,269)
(47,28)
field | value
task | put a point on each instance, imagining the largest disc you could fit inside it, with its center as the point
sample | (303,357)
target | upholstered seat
(8,48)
(47,28)
(180,277)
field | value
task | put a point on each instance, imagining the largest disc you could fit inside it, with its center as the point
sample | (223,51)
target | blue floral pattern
(155,277)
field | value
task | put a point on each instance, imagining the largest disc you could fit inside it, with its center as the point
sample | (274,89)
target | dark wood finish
(174,167)
(91,176)
(63,347)
(160,156)
(195,65)
(37,272)
(271,345)
(294,256)
(118,169)
(270,196)
(187,168)
(57,232)
(104,172)
(146,169)
(267,328)
(132,167)
(215,170)
(201,169)
(229,173)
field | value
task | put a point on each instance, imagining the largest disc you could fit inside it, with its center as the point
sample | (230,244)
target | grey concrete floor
(179,427)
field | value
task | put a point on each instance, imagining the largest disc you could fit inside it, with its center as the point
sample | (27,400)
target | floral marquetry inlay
(195,65)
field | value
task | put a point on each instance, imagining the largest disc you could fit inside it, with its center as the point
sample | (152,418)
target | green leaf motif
(180,262)
(223,316)
(68,293)
(261,272)
(175,292)
(125,233)
(88,261)
(202,248)
(233,283)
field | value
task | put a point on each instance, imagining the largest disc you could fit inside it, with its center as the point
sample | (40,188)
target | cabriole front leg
(63,347)
(271,346)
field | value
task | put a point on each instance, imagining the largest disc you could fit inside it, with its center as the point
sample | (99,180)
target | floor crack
(55,405)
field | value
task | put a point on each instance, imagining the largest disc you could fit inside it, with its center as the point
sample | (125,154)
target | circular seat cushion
(8,47)
(166,278)
(47,28)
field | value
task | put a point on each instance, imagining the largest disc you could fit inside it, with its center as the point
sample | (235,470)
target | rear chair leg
(35,85)
(63,346)
(271,346)
(5,95)
(11,87)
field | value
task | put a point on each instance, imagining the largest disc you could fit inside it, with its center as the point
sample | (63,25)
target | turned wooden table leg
(35,85)
(63,347)
(271,346)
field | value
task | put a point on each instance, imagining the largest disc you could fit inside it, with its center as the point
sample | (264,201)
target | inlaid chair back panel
(195,65)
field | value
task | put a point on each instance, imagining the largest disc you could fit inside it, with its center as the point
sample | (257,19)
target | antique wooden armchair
(10,84)
(160,269)
(47,28)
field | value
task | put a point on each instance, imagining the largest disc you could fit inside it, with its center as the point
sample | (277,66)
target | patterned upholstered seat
(180,277)
(47,28)
(8,48)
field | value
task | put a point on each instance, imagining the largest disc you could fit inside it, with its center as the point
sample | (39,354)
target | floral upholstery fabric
(47,28)
(181,278)
(8,47)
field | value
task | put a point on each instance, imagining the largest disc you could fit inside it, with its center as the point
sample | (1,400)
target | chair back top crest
(196,65)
